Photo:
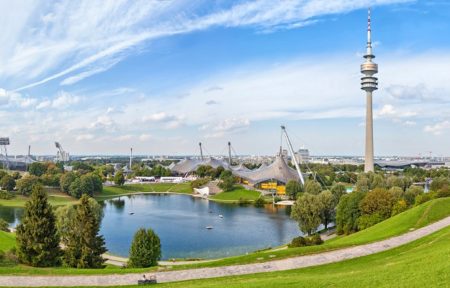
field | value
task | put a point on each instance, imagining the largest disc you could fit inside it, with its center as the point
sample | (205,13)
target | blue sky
(160,76)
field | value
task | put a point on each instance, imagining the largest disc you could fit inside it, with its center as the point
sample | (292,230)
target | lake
(181,221)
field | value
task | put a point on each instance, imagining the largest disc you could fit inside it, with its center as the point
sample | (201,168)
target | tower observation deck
(369,83)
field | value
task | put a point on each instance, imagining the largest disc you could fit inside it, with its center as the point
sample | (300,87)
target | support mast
(297,167)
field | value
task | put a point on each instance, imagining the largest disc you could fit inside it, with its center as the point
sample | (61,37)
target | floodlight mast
(201,150)
(297,167)
(229,153)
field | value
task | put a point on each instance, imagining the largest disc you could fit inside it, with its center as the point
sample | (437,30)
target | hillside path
(203,273)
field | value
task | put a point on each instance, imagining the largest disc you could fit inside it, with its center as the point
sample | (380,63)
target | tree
(26,183)
(397,193)
(119,179)
(328,213)
(313,187)
(84,246)
(307,211)
(348,212)
(66,180)
(375,207)
(227,183)
(66,219)
(37,168)
(338,190)
(8,183)
(145,250)
(411,194)
(36,237)
(362,184)
(293,188)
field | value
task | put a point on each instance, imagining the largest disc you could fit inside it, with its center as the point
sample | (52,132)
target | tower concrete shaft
(369,83)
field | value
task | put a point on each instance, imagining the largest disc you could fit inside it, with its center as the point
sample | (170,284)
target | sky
(162,75)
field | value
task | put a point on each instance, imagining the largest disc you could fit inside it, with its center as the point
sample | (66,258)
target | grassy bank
(414,218)
(114,191)
(422,263)
(234,196)
(55,197)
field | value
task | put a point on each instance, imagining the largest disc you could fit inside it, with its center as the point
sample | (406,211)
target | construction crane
(61,155)
(297,167)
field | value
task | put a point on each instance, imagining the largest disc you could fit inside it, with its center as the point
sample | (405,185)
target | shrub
(277,199)
(399,207)
(4,225)
(6,195)
(260,202)
(315,239)
(306,241)
(422,198)
(365,221)
(443,192)
(243,201)
(227,183)
(145,250)
(298,242)
(411,194)
(199,182)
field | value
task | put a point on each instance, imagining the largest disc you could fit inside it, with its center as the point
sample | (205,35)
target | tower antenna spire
(369,83)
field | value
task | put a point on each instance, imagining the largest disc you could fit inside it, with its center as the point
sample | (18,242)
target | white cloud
(145,137)
(226,126)
(78,39)
(438,128)
(125,137)
(84,137)
(169,121)
(64,100)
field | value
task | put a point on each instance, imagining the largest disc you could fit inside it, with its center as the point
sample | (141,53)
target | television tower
(369,83)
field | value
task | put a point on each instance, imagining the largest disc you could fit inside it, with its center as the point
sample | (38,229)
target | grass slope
(113,191)
(414,218)
(422,263)
(7,241)
(236,195)
(55,197)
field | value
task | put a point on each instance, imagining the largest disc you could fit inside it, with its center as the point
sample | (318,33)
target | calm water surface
(181,221)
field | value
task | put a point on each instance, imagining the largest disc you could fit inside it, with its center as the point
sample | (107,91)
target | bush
(399,207)
(4,225)
(260,202)
(315,239)
(277,199)
(422,198)
(6,195)
(298,242)
(243,201)
(411,194)
(199,182)
(365,221)
(227,183)
(443,192)
(145,250)
(306,241)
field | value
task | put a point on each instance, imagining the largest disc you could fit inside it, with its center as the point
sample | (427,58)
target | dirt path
(202,273)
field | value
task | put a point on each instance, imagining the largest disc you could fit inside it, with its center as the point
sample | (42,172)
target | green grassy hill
(7,241)
(239,193)
(422,263)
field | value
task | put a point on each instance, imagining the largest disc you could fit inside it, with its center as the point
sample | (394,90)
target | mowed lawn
(7,241)
(55,197)
(112,191)
(237,194)
(422,263)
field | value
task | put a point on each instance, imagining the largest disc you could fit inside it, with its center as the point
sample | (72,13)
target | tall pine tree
(84,246)
(37,238)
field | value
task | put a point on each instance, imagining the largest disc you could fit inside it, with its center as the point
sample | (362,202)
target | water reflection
(181,221)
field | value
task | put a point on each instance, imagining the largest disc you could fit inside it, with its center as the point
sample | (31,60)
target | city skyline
(223,72)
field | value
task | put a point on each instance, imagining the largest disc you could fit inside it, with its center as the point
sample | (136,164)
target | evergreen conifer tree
(84,246)
(145,250)
(37,238)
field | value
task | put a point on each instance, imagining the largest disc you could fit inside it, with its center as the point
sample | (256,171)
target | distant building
(302,156)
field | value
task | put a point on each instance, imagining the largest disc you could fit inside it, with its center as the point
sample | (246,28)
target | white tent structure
(190,165)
